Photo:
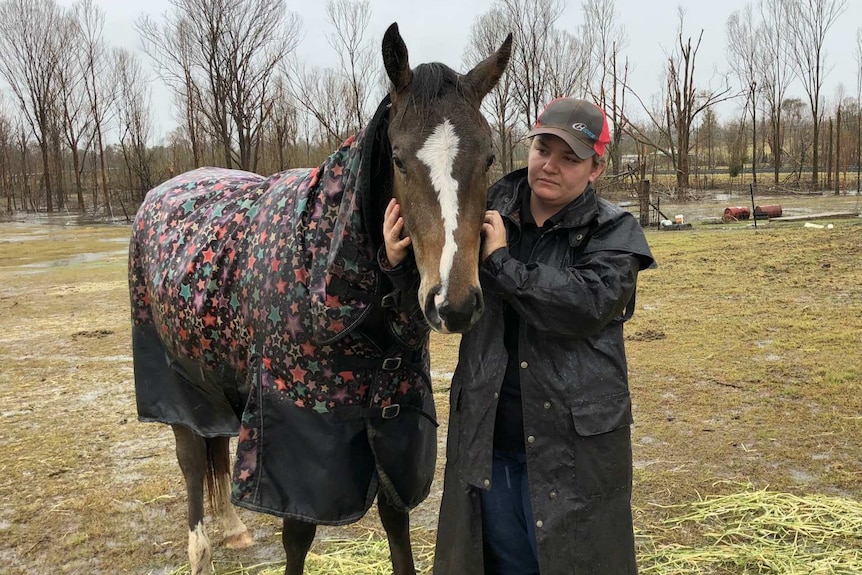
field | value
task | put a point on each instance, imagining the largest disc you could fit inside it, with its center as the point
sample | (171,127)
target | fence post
(643,201)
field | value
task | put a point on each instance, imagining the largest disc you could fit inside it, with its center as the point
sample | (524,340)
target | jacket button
(524,365)
(553,495)
(496,395)
(539,524)
(547,405)
(580,237)
(531,439)
(487,483)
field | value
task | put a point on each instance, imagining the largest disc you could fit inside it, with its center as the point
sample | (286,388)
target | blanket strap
(391,361)
(391,411)
(343,289)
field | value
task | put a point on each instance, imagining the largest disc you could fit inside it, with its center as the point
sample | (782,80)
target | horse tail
(218,473)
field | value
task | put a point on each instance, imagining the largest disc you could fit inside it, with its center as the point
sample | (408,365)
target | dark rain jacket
(572,298)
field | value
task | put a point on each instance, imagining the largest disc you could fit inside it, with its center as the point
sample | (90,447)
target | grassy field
(746,377)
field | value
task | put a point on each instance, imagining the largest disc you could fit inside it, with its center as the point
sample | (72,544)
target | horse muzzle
(447,315)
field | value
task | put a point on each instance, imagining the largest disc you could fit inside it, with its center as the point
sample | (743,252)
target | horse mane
(433,80)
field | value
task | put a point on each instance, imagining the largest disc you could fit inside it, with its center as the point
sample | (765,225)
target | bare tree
(283,125)
(567,72)
(135,125)
(857,52)
(797,138)
(809,22)
(22,142)
(357,57)
(669,130)
(606,39)
(171,48)
(531,22)
(708,128)
(230,50)
(685,103)
(7,136)
(743,47)
(486,34)
(775,74)
(31,40)
(338,99)
(321,94)
(94,62)
(75,105)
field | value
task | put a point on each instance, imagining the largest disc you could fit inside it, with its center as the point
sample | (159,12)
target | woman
(539,463)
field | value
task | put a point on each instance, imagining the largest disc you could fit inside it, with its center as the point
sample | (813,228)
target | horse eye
(490,163)
(399,164)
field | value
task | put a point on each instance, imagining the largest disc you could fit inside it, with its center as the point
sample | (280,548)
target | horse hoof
(242,540)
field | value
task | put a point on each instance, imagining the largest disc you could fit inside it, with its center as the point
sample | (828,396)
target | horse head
(442,151)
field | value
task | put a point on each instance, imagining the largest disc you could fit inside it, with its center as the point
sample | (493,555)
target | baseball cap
(579,123)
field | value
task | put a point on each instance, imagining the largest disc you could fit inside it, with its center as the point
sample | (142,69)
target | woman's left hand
(397,244)
(494,232)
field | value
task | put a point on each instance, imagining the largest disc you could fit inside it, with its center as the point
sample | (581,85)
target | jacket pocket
(603,414)
(602,446)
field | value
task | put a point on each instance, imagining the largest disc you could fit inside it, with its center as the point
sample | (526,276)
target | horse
(265,308)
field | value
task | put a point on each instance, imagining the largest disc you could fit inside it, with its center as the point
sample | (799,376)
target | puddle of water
(76,259)
(31,237)
(69,358)
(92,396)
(801,476)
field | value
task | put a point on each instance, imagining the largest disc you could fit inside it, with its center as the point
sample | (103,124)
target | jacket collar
(505,196)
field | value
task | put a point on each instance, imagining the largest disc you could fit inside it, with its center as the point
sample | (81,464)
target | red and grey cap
(579,123)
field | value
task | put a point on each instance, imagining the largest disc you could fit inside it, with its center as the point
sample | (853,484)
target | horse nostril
(432,312)
(458,317)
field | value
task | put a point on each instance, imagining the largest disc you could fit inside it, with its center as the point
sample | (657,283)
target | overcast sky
(437,30)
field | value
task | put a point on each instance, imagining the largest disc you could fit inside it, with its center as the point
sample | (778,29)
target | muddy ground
(743,354)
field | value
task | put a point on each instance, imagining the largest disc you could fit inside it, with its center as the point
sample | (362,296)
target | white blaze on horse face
(439,154)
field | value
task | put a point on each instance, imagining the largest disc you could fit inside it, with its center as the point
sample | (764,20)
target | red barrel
(736,213)
(771,211)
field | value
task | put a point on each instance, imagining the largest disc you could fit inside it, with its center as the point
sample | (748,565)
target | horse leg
(296,536)
(192,457)
(397,525)
(236,535)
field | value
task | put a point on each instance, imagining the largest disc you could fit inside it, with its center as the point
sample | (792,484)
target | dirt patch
(742,363)
(647,335)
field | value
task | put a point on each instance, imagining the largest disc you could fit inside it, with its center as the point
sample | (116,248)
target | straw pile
(758,532)
(751,532)
(368,555)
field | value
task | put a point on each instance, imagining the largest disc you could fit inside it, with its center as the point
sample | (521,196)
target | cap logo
(580,127)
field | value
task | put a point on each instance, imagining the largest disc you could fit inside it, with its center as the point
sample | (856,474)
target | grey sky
(438,31)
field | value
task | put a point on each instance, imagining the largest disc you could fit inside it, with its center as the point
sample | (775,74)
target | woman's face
(556,174)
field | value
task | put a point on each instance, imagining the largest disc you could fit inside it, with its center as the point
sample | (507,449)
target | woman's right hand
(397,244)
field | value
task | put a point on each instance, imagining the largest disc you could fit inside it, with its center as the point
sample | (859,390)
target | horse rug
(259,309)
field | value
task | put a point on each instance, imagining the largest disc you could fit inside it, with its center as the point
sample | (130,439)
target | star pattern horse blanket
(259,308)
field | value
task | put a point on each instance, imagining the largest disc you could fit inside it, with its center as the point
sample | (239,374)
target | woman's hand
(494,232)
(397,247)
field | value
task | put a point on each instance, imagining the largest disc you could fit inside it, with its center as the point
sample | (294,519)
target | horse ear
(395,59)
(485,75)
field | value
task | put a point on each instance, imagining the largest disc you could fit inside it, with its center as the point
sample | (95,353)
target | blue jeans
(508,528)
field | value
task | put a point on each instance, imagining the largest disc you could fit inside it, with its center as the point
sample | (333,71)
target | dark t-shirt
(509,426)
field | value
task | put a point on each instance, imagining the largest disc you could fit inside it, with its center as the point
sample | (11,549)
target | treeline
(76,124)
